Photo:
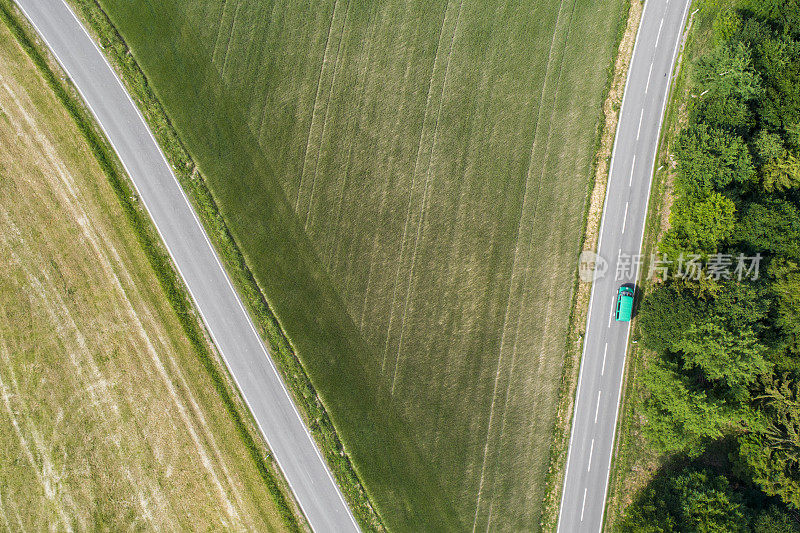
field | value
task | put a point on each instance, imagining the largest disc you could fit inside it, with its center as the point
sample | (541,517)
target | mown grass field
(107,419)
(407,182)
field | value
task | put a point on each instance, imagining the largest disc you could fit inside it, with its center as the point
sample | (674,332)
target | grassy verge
(634,463)
(618,72)
(159,261)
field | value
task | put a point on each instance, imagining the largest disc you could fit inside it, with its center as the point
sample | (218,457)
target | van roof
(624,304)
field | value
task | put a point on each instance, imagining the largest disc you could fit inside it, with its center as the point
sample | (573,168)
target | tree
(694,500)
(779,61)
(775,520)
(727,83)
(792,133)
(781,174)
(741,305)
(784,13)
(728,71)
(725,112)
(681,417)
(768,146)
(727,23)
(771,452)
(665,313)
(709,505)
(771,227)
(734,358)
(699,226)
(786,287)
(710,159)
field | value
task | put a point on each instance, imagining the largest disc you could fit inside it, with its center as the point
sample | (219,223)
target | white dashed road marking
(603,370)
(583,506)
(659,32)
(639,131)
(630,179)
(597,409)
(625,217)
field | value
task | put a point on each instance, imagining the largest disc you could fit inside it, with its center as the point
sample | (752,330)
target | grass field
(107,419)
(407,183)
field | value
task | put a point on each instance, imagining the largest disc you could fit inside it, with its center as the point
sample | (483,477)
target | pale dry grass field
(107,418)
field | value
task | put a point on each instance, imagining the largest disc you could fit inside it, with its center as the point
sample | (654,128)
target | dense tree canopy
(728,365)
(697,499)
(771,452)
(735,358)
(770,226)
(711,159)
(682,416)
(728,70)
(699,226)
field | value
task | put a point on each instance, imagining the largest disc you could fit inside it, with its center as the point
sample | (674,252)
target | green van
(624,304)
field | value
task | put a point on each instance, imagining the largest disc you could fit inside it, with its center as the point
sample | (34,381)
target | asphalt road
(220,307)
(603,362)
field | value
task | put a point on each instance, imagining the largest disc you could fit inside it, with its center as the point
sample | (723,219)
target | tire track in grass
(527,199)
(250,58)
(354,291)
(364,61)
(413,186)
(265,105)
(394,170)
(219,30)
(128,291)
(66,334)
(205,432)
(102,384)
(209,22)
(327,114)
(314,106)
(46,151)
(381,212)
(455,284)
(11,504)
(202,435)
(5,394)
(448,298)
(552,279)
(230,37)
(424,200)
(2,506)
